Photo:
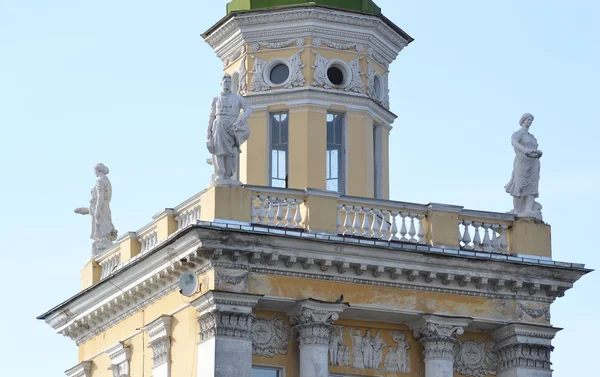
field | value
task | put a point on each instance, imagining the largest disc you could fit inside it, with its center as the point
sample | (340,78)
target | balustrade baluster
(366,224)
(356,229)
(280,209)
(486,244)
(413,231)
(289,213)
(262,209)
(494,243)
(403,230)
(385,227)
(477,238)
(503,244)
(298,214)
(421,230)
(375,213)
(394,230)
(271,212)
(347,221)
(466,238)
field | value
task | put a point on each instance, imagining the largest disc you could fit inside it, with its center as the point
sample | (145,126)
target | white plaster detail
(476,359)
(398,359)
(338,46)
(119,359)
(523,185)
(385,101)
(523,310)
(296,77)
(258,81)
(378,58)
(243,80)
(234,278)
(103,231)
(371,74)
(80,370)
(188,217)
(277,45)
(320,75)
(488,237)
(109,264)
(270,337)
(159,332)
(227,131)
(149,241)
(355,83)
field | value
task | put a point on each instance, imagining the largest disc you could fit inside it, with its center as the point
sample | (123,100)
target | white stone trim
(269,67)
(159,332)
(119,355)
(80,370)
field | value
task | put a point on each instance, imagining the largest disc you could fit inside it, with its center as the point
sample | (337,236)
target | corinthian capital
(313,320)
(438,335)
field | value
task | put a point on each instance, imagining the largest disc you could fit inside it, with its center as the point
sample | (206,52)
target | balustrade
(149,240)
(276,211)
(188,217)
(383,224)
(480,236)
(109,264)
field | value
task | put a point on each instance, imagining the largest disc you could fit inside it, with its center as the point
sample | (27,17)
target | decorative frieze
(476,359)
(270,337)
(320,75)
(398,359)
(277,45)
(119,355)
(296,77)
(338,46)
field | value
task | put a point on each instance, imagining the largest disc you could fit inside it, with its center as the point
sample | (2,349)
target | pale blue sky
(129,83)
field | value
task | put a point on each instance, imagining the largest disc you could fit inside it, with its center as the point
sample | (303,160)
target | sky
(129,84)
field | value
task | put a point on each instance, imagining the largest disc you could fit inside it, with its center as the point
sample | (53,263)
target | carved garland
(277,45)
(533,313)
(233,280)
(338,46)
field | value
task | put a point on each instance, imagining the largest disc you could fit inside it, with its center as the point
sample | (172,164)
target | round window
(279,74)
(377,86)
(335,75)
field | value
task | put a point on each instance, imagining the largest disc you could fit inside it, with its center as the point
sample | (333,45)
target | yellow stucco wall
(307,147)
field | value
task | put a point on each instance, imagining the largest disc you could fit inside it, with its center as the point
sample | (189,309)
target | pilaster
(312,320)
(119,355)
(438,336)
(159,332)
(225,344)
(524,350)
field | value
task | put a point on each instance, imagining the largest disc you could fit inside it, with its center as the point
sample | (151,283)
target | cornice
(152,276)
(311,96)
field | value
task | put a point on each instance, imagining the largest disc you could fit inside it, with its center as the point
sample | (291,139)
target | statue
(227,131)
(523,185)
(103,230)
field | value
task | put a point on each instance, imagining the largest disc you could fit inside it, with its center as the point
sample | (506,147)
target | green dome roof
(367,6)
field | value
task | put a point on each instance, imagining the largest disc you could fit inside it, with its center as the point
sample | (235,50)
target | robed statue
(523,185)
(227,131)
(103,230)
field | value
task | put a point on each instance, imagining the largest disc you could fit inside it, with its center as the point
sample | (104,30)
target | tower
(317,80)
(308,269)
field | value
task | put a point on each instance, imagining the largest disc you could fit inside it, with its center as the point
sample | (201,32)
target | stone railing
(382,220)
(109,263)
(484,231)
(277,208)
(313,211)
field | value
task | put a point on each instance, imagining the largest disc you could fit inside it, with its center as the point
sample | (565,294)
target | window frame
(377,160)
(279,368)
(342,179)
(270,144)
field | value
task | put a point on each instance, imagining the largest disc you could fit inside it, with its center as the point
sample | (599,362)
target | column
(225,344)
(159,332)
(438,336)
(312,321)
(524,350)
(119,355)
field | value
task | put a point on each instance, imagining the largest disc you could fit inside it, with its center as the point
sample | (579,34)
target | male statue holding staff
(227,131)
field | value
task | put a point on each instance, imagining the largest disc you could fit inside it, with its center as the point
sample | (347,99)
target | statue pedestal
(224,182)
(231,202)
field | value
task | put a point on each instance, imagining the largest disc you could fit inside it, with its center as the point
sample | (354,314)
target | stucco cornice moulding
(80,370)
(524,334)
(151,276)
(310,96)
